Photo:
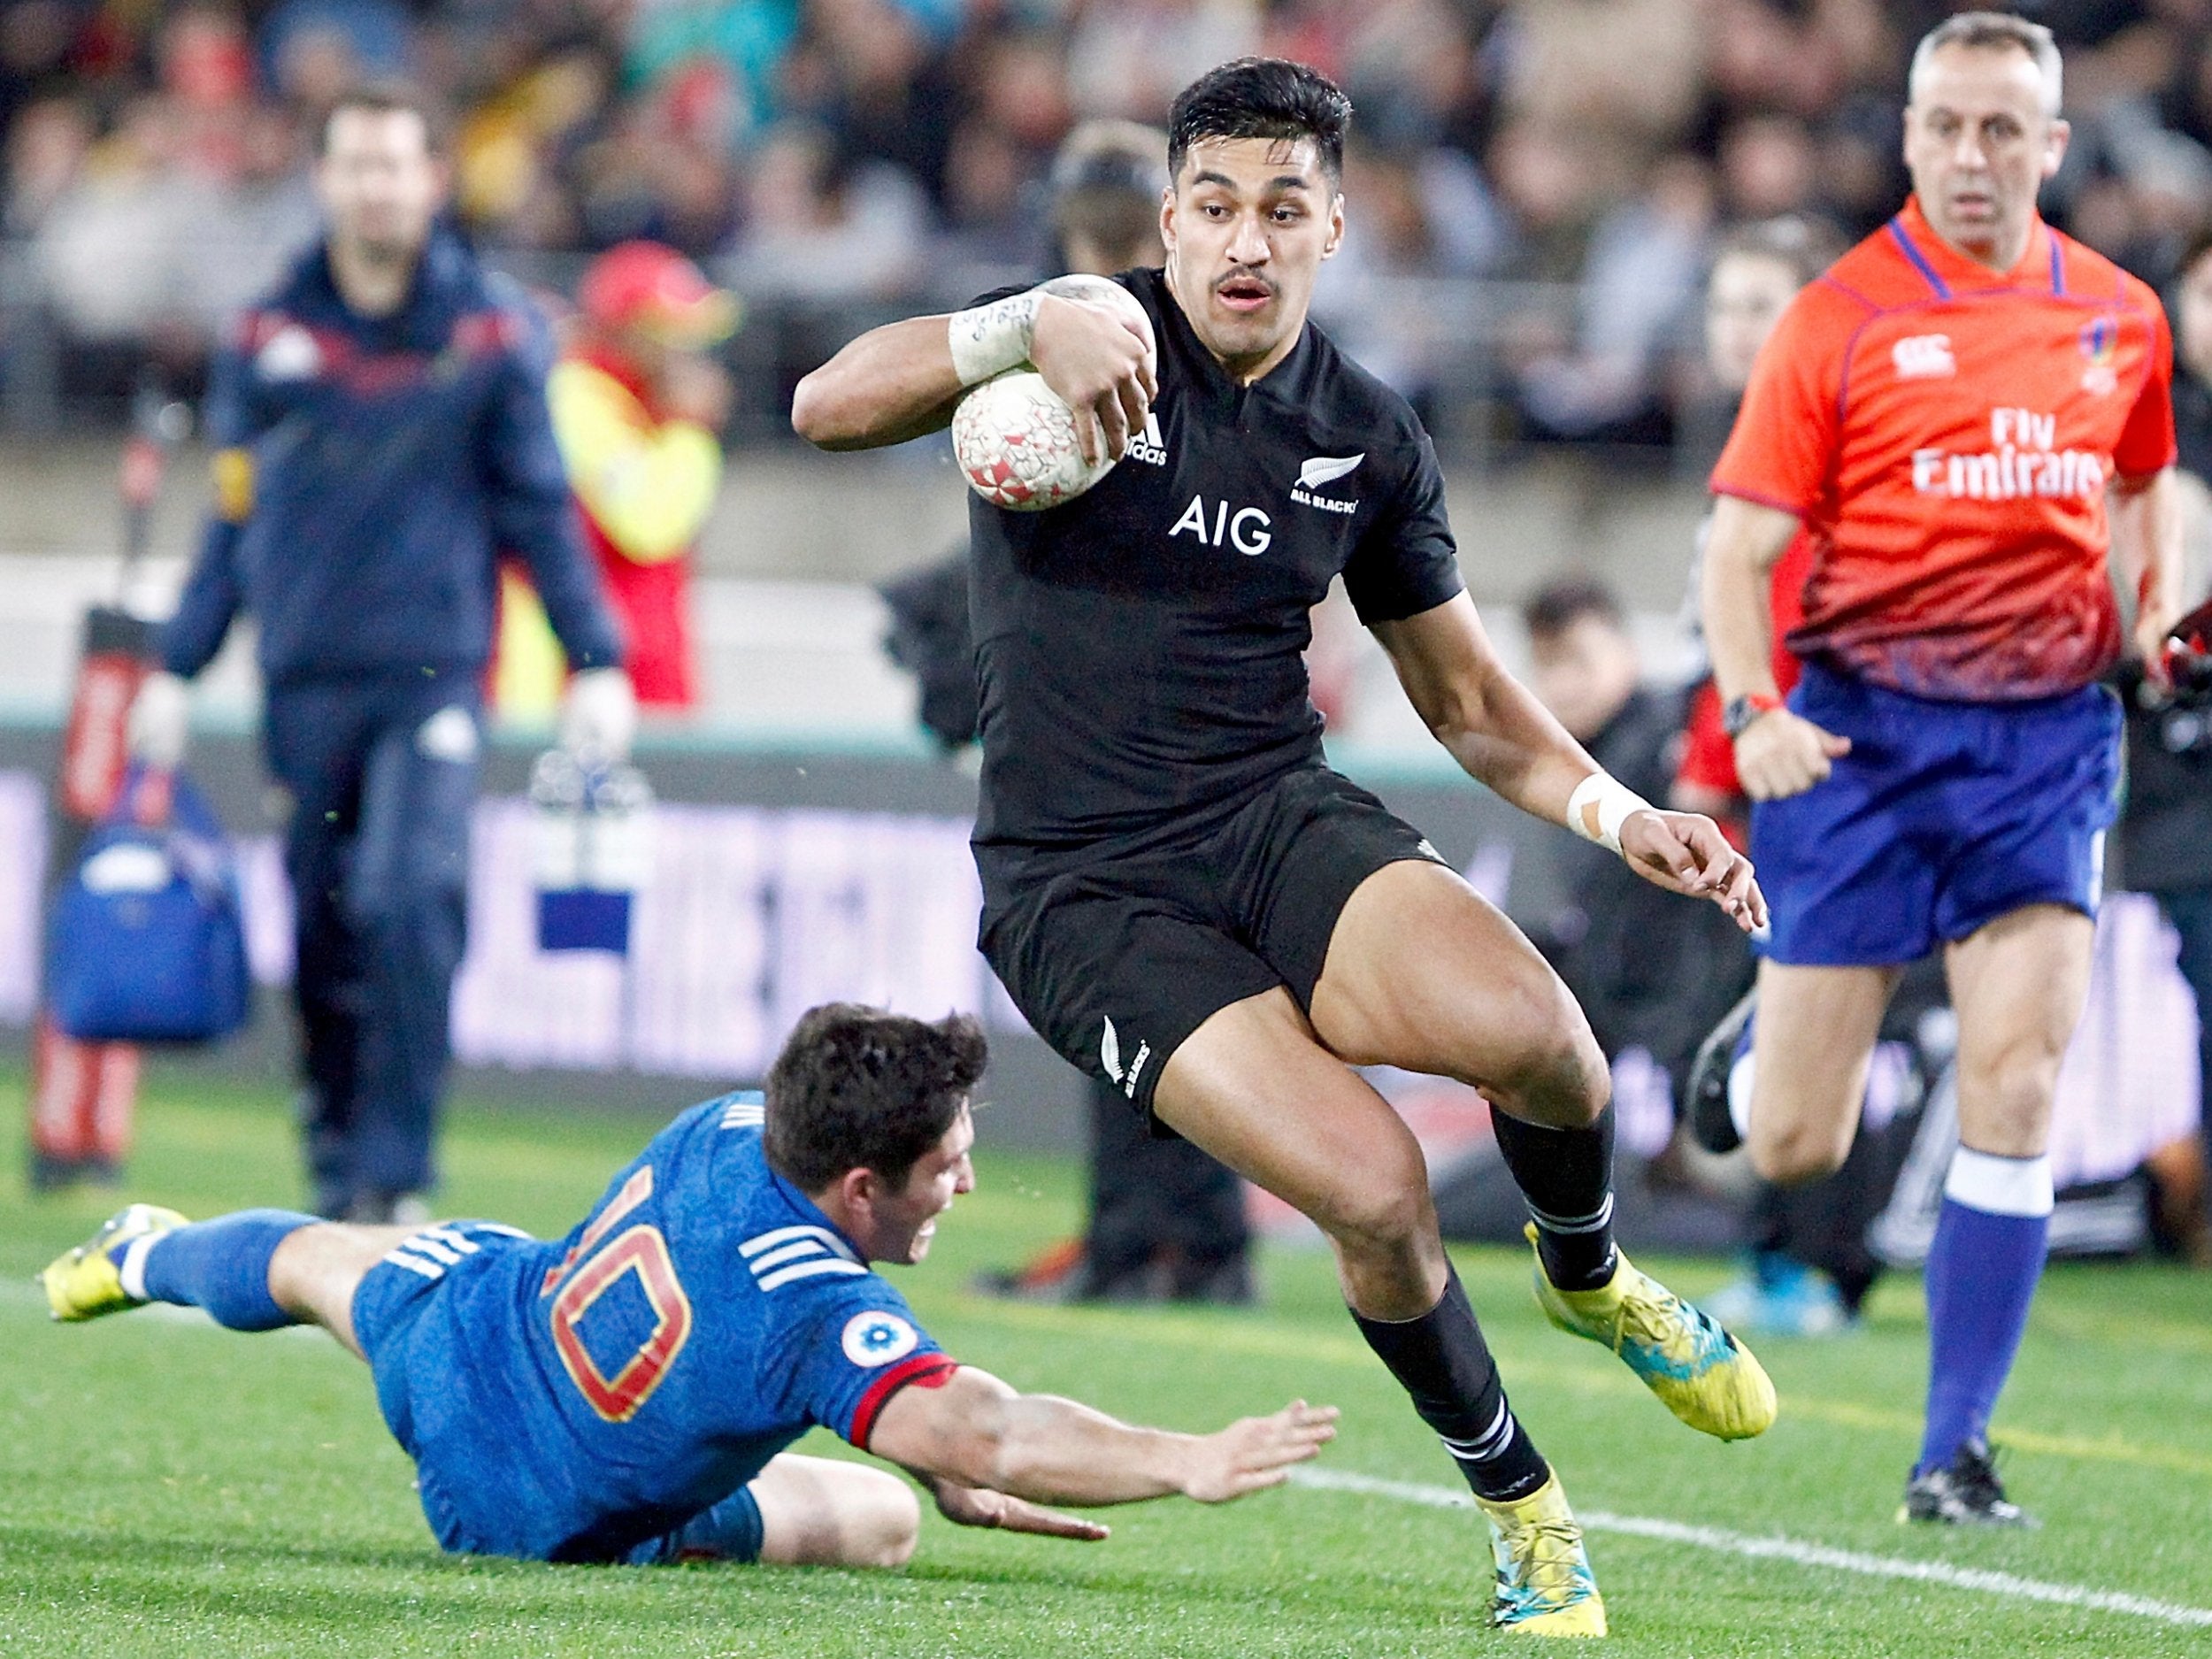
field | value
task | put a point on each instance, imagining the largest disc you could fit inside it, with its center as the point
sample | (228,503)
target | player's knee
(2007,1099)
(1382,1210)
(887,1523)
(1795,1154)
(1558,1076)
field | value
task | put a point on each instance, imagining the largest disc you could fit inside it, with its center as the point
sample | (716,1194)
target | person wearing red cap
(636,406)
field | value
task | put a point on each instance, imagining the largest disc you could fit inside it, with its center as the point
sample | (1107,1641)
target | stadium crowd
(1569,164)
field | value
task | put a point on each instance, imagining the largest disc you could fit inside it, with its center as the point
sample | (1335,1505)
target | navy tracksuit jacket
(370,472)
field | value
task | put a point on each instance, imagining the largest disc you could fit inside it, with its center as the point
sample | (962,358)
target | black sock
(1566,1176)
(1443,1363)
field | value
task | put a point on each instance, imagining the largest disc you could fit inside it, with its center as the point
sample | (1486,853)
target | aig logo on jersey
(1924,357)
(877,1338)
(1244,528)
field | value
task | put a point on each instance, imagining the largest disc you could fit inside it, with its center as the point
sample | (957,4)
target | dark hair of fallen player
(858,1087)
(1261,97)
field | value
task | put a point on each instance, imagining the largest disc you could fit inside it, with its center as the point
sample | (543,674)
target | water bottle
(593,828)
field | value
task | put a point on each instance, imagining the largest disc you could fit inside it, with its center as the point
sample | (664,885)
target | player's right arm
(1779,753)
(978,1443)
(1779,459)
(901,381)
(160,724)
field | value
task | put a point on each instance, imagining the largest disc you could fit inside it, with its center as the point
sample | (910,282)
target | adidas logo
(782,1255)
(1148,446)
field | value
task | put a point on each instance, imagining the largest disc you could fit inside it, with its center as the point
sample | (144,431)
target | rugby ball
(1014,437)
(1015,441)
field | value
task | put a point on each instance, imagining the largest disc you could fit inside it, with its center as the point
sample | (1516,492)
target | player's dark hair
(1261,97)
(858,1087)
(386,97)
(1557,606)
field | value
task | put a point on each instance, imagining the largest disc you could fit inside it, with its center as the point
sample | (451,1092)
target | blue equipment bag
(145,943)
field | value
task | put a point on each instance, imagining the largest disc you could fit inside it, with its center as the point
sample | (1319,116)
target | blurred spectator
(821,224)
(859,153)
(1129,58)
(1637,287)
(637,409)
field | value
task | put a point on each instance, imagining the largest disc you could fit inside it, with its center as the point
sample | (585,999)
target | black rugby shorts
(1116,959)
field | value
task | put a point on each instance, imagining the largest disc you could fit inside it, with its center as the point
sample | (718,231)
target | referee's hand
(1685,852)
(1781,753)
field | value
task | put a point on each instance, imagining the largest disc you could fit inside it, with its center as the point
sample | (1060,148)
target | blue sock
(1981,1276)
(221,1266)
(730,1531)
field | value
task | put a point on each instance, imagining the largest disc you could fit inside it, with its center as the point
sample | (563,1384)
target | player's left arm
(1494,727)
(2145,517)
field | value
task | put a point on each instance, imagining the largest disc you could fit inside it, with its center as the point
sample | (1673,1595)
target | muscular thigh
(2018,984)
(825,1512)
(1423,972)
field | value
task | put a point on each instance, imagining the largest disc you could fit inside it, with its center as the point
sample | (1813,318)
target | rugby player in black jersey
(1181,897)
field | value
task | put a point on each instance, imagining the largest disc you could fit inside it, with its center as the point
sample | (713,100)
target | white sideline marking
(1988,1582)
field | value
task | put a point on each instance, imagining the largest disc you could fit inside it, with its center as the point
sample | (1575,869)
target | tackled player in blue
(628,1392)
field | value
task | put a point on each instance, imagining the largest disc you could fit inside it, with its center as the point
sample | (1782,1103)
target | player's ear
(861,1188)
(1167,219)
(1336,225)
(2055,147)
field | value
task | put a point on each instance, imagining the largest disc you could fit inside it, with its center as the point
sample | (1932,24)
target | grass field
(172,1488)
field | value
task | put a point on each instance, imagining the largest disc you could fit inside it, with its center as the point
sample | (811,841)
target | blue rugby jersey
(370,472)
(572,1399)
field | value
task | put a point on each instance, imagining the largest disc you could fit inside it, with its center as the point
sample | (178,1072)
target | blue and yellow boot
(1544,1585)
(88,1281)
(1706,1377)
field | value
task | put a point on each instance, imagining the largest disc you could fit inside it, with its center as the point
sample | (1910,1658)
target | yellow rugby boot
(1707,1377)
(88,1281)
(1544,1585)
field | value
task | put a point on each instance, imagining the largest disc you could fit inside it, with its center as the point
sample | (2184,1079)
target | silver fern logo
(1326,469)
(1110,1052)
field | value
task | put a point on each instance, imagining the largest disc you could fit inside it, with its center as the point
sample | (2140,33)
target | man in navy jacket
(381,439)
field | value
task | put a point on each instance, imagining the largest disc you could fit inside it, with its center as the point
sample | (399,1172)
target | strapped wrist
(1600,805)
(988,340)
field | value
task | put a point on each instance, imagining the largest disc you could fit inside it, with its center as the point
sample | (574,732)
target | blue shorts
(1943,817)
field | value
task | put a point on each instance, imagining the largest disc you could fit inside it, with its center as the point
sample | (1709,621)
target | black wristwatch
(1740,712)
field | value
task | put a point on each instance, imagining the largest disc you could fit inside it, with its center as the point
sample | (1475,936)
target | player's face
(381,185)
(1247,225)
(1978,147)
(906,1221)
(2193,319)
(1743,302)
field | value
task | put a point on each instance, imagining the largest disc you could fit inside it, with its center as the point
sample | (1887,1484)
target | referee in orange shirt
(1970,413)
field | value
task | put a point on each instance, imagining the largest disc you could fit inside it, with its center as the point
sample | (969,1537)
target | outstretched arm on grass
(991,1455)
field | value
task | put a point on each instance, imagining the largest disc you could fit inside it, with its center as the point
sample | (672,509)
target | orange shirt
(1945,433)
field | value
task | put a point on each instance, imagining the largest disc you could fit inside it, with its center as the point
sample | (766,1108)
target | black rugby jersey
(1138,651)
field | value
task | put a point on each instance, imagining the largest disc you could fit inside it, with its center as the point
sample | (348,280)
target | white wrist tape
(1599,806)
(988,340)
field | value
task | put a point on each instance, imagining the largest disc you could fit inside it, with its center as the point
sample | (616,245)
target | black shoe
(1706,1089)
(1966,1494)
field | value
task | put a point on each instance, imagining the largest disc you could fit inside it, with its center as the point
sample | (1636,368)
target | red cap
(643,284)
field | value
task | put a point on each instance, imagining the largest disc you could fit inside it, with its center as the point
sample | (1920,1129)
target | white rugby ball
(1014,439)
